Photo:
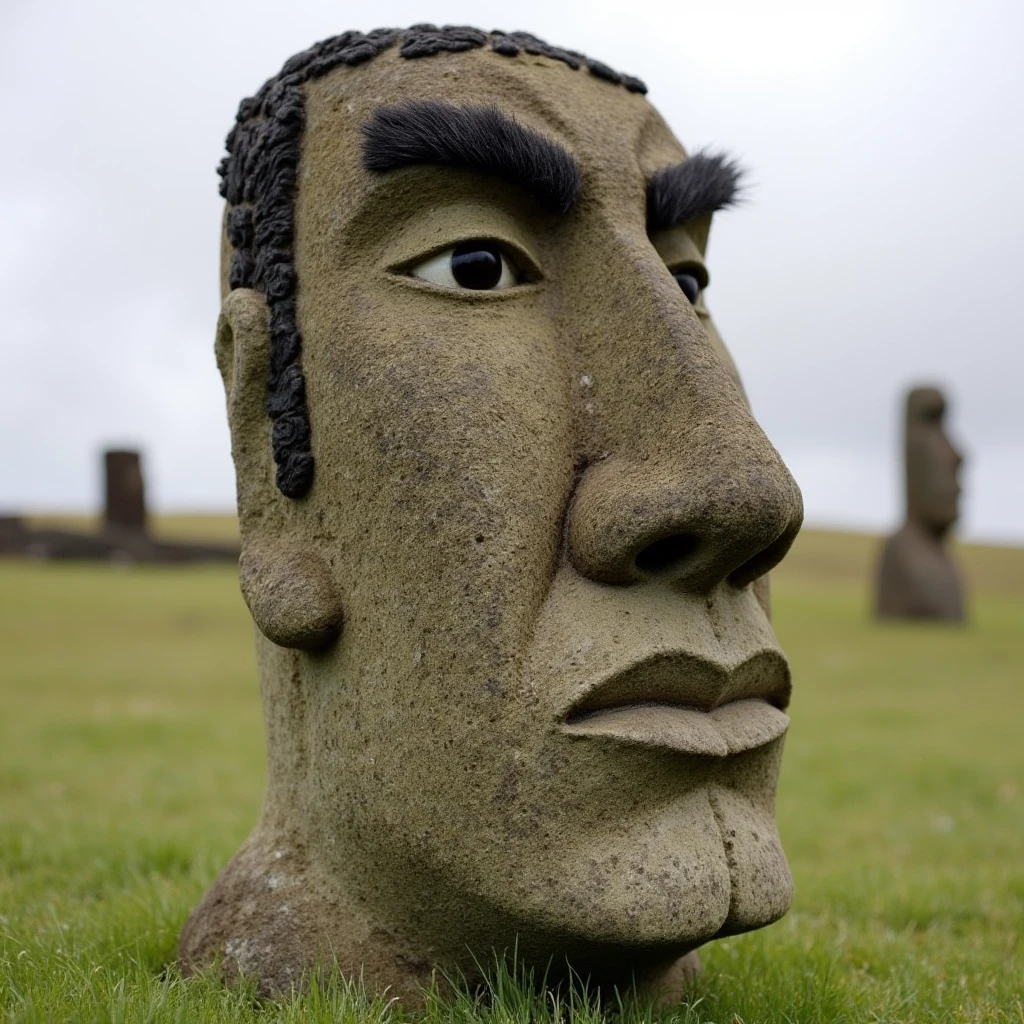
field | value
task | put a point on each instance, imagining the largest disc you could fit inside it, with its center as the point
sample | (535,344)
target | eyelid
(698,270)
(680,253)
(447,216)
(522,260)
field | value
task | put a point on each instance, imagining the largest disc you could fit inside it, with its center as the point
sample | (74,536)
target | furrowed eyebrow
(481,138)
(703,184)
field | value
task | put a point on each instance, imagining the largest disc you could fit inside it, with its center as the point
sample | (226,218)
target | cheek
(443,450)
(444,463)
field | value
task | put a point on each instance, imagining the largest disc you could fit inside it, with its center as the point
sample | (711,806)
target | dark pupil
(476,265)
(689,284)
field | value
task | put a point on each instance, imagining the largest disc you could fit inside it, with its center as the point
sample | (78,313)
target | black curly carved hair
(258,180)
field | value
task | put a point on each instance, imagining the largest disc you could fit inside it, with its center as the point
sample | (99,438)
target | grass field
(131,766)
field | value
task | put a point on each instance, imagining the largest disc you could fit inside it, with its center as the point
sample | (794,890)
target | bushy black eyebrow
(482,138)
(703,184)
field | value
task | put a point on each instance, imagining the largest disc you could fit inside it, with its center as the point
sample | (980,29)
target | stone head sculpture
(506,520)
(932,464)
(916,577)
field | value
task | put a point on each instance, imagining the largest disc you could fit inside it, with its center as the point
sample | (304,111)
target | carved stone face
(933,463)
(553,711)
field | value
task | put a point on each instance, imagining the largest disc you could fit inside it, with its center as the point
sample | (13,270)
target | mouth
(688,705)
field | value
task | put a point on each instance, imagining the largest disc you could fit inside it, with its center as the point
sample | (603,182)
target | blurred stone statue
(506,519)
(125,504)
(917,578)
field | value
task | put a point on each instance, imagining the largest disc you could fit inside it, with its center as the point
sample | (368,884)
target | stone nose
(632,521)
(680,483)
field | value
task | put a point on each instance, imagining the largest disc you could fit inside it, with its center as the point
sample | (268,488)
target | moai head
(506,519)
(125,499)
(932,464)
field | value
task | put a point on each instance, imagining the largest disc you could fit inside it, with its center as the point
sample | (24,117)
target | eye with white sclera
(469,266)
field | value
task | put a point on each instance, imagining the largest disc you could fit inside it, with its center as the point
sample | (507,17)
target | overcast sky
(882,244)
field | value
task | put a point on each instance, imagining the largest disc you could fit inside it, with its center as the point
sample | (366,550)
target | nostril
(665,555)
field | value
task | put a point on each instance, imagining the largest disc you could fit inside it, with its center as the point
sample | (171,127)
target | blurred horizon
(879,246)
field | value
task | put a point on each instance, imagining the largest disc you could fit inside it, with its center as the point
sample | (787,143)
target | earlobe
(287,585)
(291,594)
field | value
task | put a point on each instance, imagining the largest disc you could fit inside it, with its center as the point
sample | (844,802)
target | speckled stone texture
(916,576)
(519,679)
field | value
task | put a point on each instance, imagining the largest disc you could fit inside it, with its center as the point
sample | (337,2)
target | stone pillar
(125,499)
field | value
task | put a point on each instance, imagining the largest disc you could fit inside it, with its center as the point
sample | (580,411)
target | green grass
(131,766)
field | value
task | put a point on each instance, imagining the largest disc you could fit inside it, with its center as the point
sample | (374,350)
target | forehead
(615,135)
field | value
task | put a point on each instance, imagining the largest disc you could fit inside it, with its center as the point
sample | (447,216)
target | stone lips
(731,729)
(688,704)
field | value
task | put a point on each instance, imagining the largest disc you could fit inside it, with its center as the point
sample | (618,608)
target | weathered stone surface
(544,702)
(916,577)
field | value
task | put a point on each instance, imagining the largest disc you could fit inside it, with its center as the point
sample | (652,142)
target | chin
(696,865)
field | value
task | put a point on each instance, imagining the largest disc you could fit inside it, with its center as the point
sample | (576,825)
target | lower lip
(730,729)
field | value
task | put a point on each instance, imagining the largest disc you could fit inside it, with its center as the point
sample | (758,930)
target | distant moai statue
(125,497)
(12,534)
(917,579)
(123,537)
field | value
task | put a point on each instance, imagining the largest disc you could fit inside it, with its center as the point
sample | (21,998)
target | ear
(285,581)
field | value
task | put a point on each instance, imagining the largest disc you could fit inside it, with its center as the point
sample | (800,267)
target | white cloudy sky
(882,245)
